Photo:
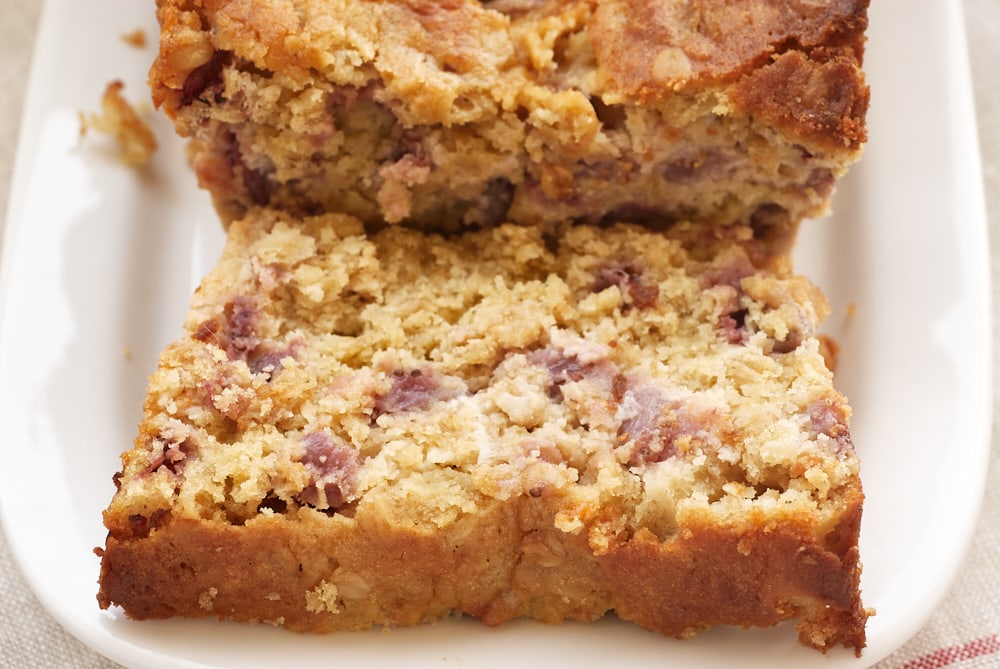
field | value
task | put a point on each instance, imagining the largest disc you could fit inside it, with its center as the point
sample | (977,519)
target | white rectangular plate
(100,260)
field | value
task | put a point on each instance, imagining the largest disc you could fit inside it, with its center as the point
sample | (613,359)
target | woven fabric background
(963,634)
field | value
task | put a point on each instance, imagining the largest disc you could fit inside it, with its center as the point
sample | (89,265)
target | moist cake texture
(360,430)
(461,113)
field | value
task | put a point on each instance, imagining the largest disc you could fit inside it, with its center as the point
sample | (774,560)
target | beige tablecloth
(963,634)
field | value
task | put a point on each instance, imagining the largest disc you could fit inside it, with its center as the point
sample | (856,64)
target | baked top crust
(387,429)
(449,62)
(465,114)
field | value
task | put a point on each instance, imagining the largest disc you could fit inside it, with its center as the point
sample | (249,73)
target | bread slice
(381,430)
(466,113)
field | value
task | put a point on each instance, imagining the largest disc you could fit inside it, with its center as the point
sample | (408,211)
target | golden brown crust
(464,114)
(495,566)
(759,576)
(824,103)
(779,52)
(714,40)
(274,570)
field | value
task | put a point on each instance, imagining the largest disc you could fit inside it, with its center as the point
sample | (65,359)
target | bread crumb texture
(467,114)
(359,430)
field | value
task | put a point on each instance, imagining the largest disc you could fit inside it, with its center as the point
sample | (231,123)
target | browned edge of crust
(756,578)
(799,69)
(824,104)
(507,563)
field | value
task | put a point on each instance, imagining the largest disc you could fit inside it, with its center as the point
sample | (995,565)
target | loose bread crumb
(136,38)
(119,119)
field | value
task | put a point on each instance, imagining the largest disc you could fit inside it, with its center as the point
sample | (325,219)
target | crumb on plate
(136,38)
(120,119)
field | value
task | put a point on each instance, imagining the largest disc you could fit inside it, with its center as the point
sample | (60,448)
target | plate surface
(100,259)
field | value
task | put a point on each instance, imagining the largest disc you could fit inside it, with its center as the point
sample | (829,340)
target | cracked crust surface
(467,113)
(360,430)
